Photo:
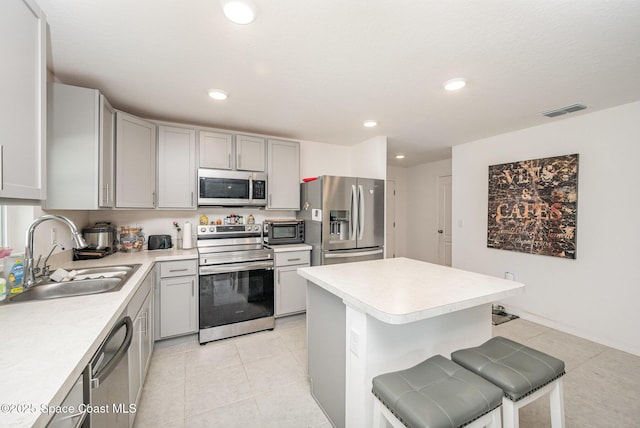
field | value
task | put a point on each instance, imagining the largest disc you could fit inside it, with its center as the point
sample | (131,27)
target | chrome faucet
(79,242)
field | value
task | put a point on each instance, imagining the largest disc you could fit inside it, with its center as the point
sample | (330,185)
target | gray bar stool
(523,373)
(436,393)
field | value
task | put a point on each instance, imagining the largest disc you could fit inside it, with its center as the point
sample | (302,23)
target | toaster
(159,242)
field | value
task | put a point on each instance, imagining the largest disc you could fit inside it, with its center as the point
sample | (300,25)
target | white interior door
(444,220)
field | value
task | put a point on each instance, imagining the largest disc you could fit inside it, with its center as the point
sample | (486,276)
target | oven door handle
(236,267)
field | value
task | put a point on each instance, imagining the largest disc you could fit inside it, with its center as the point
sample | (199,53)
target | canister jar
(131,239)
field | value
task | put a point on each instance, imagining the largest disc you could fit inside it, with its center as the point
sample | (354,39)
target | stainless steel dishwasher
(109,378)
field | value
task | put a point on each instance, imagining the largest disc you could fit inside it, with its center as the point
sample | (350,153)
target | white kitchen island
(372,317)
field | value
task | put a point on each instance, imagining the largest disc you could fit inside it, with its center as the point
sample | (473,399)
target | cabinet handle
(191,198)
(145,327)
(229,161)
(178,270)
(193,283)
(293,260)
(278,275)
(2,167)
(239,161)
(269,199)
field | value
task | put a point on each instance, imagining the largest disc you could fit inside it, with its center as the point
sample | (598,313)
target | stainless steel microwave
(231,188)
(283,232)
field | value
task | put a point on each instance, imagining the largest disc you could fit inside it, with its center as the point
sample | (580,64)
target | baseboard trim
(625,347)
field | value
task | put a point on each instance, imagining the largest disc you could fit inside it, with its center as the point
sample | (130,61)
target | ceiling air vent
(564,110)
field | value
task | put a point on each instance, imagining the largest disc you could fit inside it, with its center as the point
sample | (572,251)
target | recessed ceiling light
(399,156)
(218,94)
(240,12)
(370,123)
(455,84)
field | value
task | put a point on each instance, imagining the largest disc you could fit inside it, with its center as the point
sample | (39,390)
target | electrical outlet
(54,236)
(354,343)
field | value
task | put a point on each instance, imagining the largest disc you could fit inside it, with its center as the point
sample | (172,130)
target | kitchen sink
(94,280)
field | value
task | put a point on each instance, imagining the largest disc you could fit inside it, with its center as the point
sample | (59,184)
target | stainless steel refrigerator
(343,218)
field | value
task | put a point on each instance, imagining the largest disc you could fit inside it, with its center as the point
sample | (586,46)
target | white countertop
(45,345)
(283,248)
(402,290)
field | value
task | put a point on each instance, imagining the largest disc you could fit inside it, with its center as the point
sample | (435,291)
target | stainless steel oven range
(236,281)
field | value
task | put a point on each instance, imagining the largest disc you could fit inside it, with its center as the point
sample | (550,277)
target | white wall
(366,159)
(369,158)
(324,159)
(595,296)
(422,209)
(19,217)
(17,221)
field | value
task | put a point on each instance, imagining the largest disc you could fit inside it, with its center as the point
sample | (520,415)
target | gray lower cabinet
(290,288)
(326,348)
(176,298)
(140,310)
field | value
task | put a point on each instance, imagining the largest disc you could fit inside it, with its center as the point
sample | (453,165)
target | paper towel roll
(187,239)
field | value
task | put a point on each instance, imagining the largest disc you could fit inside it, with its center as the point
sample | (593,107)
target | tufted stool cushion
(517,369)
(436,393)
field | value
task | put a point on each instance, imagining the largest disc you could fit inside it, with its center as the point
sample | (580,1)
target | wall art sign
(533,206)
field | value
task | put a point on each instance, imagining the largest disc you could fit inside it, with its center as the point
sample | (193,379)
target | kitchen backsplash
(158,222)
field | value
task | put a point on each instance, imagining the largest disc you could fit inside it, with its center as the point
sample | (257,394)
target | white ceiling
(316,69)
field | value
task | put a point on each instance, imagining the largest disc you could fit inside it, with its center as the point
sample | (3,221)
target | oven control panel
(214,230)
(229,228)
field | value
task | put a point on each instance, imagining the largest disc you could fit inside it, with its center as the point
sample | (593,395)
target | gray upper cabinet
(107,160)
(22,100)
(135,162)
(283,170)
(226,151)
(216,150)
(176,167)
(249,153)
(81,149)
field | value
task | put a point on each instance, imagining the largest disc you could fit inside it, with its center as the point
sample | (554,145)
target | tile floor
(601,387)
(259,380)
